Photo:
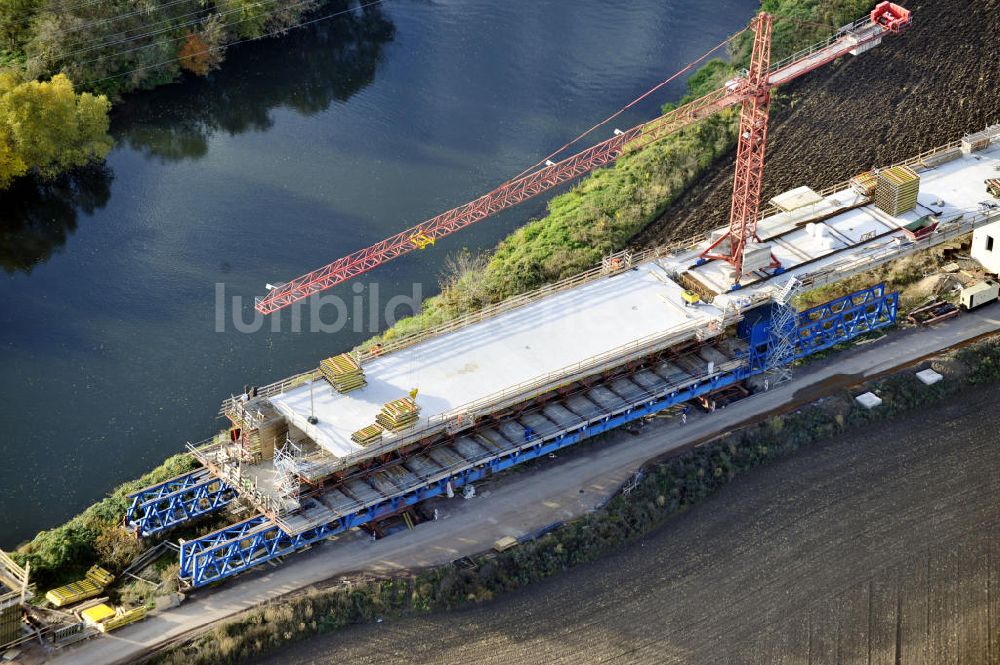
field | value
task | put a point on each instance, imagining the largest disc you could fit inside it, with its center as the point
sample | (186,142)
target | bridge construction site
(368,434)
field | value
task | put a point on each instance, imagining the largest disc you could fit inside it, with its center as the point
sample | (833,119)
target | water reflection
(306,71)
(38,216)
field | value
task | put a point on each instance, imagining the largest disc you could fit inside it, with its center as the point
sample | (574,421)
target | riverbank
(111,49)
(670,488)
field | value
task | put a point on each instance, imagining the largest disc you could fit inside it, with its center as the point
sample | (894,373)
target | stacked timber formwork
(399,414)
(897,189)
(367,436)
(864,183)
(343,372)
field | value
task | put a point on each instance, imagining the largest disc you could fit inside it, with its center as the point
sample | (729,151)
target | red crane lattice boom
(750,152)
(752,90)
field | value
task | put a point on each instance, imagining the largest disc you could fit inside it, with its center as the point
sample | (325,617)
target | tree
(194,55)
(46,128)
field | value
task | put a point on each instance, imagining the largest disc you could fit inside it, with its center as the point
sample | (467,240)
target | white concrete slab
(868,400)
(796,198)
(929,377)
(498,354)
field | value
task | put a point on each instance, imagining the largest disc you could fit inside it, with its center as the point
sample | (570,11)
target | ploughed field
(914,92)
(880,547)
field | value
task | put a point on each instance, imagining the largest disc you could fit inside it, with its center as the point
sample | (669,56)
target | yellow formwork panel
(122,618)
(98,613)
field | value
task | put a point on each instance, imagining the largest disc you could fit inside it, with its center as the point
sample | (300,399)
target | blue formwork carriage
(163,506)
(241,546)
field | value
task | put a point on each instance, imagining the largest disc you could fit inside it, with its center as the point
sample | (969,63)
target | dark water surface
(300,150)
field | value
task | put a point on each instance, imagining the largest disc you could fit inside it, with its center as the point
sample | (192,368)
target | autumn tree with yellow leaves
(46,128)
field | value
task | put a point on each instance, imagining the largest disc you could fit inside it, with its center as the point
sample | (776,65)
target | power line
(182,37)
(64,11)
(240,41)
(118,17)
(160,31)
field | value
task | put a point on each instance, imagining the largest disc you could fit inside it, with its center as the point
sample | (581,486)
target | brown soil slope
(916,91)
(882,547)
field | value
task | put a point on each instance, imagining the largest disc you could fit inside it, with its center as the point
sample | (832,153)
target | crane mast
(750,151)
(752,91)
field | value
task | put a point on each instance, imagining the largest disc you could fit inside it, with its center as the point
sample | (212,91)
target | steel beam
(165,505)
(844,319)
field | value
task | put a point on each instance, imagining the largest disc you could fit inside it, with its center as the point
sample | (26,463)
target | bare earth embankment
(917,91)
(882,547)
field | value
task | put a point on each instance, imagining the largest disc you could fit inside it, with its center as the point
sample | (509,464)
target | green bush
(63,554)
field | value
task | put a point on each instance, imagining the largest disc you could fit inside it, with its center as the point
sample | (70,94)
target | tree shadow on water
(37,216)
(306,70)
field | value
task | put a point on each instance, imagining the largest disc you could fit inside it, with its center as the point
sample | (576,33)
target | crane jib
(886,18)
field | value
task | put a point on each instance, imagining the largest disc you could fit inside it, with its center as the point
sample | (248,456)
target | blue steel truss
(844,319)
(175,501)
(241,546)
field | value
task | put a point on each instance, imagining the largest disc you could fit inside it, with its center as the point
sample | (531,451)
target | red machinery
(752,90)
(891,16)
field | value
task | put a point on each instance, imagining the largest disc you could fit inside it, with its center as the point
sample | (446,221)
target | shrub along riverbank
(596,217)
(668,488)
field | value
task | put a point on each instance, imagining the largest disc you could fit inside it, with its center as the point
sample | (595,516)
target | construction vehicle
(979,294)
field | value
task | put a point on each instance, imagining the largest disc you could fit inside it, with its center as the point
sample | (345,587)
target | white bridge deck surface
(858,235)
(527,343)
(513,348)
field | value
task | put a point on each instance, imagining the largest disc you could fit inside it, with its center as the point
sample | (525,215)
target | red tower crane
(752,90)
(756,89)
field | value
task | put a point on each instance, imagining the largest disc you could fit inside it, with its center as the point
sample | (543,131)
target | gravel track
(881,547)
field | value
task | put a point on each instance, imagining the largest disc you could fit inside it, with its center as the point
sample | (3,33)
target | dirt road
(882,547)
(917,91)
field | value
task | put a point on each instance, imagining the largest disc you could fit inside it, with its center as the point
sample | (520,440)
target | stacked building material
(897,189)
(864,183)
(91,585)
(398,414)
(993,187)
(343,372)
(366,436)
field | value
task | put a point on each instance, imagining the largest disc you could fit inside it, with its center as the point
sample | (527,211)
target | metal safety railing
(897,247)
(385,347)
(822,45)
(525,391)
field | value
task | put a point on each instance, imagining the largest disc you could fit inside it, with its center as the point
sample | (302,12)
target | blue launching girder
(844,319)
(241,546)
(175,501)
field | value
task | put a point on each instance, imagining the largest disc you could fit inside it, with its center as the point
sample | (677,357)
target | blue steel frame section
(844,319)
(241,546)
(160,507)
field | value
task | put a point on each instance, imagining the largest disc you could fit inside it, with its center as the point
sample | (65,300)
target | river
(114,348)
